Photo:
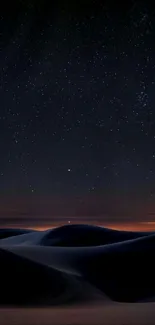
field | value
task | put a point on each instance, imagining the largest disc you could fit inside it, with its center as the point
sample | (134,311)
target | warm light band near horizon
(137,226)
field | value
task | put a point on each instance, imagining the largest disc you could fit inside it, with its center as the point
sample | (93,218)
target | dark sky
(77,109)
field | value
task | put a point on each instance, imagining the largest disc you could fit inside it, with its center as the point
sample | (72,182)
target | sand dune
(69,236)
(60,266)
(8,232)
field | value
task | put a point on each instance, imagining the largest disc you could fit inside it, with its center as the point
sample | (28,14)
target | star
(77,114)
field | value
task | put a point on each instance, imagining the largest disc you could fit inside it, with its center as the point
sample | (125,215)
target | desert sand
(111,314)
(77,274)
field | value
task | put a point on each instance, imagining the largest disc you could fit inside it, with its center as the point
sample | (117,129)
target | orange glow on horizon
(137,226)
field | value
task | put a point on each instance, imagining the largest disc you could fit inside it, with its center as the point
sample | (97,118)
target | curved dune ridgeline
(76,263)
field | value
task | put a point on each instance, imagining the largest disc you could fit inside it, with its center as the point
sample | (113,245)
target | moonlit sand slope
(76,264)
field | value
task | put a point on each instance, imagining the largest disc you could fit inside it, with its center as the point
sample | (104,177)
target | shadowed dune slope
(26,282)
(71,236)
(29,283)
(6,232)
(77,263)
(124,271)
(86,235)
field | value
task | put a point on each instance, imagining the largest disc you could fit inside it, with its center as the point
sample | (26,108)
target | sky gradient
(77,116)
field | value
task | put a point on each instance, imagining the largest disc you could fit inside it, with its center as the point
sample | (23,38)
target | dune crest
(76,263)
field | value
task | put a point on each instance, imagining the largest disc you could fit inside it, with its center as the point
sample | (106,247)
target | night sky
(77,111)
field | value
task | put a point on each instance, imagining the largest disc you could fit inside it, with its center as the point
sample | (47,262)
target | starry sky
(77,111)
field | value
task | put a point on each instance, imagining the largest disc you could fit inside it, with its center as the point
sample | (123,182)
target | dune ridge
(74,264)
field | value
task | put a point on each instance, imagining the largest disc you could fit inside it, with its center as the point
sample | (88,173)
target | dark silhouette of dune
(8,232)
(27,282)
(77,263)
(86,235)
(30,283)
(71,236)
(124,272)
